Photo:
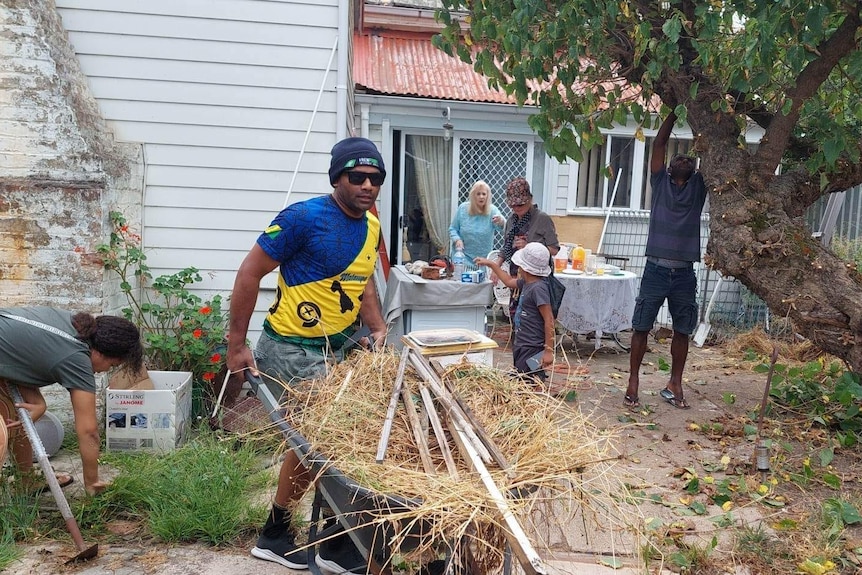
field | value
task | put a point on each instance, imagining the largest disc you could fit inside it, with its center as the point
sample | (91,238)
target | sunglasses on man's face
(358,178)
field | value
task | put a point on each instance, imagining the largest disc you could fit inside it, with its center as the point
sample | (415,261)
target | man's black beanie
(352,152)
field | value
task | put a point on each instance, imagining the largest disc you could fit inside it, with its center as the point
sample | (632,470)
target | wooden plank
(514,533)
(416,427)
(438,430)
(234,31)
(390,411)
(480,430)
(451,408)
(196,83)
(315,12)
(176,113)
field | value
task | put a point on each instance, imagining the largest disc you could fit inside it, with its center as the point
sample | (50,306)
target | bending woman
(472,229)
(40,346)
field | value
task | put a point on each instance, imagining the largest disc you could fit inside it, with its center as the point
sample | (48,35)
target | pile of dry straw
(553,451)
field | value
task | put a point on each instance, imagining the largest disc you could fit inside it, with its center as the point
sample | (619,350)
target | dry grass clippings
(761,343)
(559,463)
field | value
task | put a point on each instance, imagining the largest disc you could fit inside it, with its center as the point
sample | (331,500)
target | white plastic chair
(502,294)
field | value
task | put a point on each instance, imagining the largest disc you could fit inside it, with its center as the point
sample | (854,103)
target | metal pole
(608,214)
(311,122)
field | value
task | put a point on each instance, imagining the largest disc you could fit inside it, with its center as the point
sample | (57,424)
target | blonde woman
(472,229)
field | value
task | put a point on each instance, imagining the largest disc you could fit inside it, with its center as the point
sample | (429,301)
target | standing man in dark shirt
(673,245)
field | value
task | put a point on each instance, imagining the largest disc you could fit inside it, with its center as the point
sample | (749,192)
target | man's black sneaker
(281,550)
(339,556)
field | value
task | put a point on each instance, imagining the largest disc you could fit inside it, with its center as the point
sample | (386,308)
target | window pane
(590,178)
(621,163)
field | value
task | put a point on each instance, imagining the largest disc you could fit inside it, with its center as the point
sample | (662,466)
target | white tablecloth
(407,291)
(600,304)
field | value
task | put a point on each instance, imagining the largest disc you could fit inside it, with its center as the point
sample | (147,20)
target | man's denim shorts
(676,285)
(288,364)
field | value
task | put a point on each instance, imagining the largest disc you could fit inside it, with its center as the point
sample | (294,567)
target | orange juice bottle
(579,255)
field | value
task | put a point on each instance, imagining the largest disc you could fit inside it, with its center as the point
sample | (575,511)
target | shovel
(704,327)
(84,552)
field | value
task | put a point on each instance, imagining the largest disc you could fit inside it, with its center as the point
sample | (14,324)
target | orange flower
(215,358)
(206,310)
(198,333)
(208,376)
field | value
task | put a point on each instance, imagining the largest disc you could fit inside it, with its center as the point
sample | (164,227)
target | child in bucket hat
(533,319)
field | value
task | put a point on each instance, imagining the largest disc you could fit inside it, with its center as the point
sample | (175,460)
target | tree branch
(830,51)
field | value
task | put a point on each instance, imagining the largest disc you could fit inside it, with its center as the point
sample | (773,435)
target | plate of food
(572,272)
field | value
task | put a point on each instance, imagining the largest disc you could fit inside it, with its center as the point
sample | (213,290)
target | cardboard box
(150,419)
(474,277)
(126,380)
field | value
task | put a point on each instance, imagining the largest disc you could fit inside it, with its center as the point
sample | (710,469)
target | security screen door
(433,189)
(496,162)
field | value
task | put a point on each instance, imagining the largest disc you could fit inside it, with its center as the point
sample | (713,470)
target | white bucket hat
(533,258)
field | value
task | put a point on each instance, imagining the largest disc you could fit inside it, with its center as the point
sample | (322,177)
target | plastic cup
(591,264)
(560,264)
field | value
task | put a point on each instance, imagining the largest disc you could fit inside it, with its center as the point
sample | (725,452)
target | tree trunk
(758,235)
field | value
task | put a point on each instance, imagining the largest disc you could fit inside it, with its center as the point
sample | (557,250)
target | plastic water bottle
(458,261)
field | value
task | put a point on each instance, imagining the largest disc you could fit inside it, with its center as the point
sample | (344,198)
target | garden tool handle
(48,471)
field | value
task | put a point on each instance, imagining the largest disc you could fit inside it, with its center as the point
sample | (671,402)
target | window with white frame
(616,173)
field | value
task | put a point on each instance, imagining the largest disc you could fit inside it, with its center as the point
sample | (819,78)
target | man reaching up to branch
(673,245)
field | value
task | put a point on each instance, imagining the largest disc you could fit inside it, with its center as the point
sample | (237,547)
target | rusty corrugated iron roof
(408,65)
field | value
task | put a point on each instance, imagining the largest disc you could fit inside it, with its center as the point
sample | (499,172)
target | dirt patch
(685,464)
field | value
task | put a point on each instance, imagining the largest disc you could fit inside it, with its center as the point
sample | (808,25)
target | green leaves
(181,330)
(571,58)
(672,28)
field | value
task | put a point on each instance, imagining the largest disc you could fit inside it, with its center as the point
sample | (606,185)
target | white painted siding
(220,93)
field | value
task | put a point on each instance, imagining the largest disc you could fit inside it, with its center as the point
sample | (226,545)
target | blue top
(326,257)
(674,223)
(477,232)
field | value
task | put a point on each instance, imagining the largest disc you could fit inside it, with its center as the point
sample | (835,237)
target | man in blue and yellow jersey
(325,250)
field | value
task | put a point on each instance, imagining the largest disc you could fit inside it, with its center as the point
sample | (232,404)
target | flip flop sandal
(631,402)
(672,399)
(62,478)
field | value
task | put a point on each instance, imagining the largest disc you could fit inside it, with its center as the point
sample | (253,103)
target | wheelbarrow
(360,511)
